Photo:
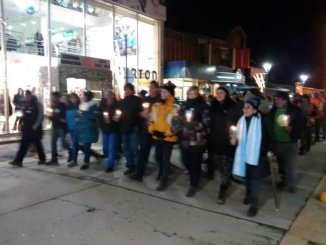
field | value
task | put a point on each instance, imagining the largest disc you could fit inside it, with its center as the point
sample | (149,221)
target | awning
(185,69)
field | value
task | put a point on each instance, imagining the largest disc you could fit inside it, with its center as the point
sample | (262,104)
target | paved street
(57,205)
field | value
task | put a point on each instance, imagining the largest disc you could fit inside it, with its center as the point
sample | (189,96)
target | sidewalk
(38,201)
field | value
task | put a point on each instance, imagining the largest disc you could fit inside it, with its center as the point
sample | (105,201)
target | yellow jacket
(161,119)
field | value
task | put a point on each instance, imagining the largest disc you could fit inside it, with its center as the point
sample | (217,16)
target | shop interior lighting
(33,22)
(225,77)
(211,69)
(22,24)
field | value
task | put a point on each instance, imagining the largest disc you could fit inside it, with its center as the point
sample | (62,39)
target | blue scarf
(248,148)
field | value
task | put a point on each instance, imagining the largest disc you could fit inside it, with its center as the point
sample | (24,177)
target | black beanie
(254,102)
(169,87)
(88,94)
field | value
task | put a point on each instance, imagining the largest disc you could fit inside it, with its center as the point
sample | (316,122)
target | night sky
(291,34)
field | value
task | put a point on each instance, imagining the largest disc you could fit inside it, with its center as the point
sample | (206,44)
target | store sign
(151,8)
(89,62)
(141,74)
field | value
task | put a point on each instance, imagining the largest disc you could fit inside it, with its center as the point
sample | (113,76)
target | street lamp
(267,67)
(303,78)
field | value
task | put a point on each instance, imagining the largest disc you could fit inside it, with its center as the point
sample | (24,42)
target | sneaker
(129,171)
(161,187)
(191,192)
(72,164)
(136,176)
(84,166)
(15,163)
(52,163)
(41,162)
(220,200)
(69,159)
(281,184)
(252,211)
(109,170)
(246,200)
(289,189)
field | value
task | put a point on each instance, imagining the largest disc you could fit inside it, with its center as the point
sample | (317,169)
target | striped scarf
(248,148)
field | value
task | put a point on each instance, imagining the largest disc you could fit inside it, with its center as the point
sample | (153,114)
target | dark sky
(289,33)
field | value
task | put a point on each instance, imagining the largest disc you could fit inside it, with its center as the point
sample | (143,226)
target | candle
(118,113)
(188,115)
(49,111)
(19,113)
(233,131)
(146,105)
(283,120)
(105,114)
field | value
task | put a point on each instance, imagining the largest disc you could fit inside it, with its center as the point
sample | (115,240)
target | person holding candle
(128,116)
(255,139)
(109,128)
(164,132)
(86,126)
(59,128)
(289,122)
(193,136)
(145,139)
(224,113)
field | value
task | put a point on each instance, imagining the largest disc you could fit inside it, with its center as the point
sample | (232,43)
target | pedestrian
(161,127)
(59,128)
(193,136)
(86,126)
(31,128)
(129,119)
(145,138)
(255,141)
(110,128)
(19,103)
(288,123)
(224,113)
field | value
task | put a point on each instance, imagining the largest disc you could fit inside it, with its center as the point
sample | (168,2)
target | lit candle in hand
(233,131)
(283,120)
(49,112)
(146,105)
(105,114)
(189,115)
(118,113)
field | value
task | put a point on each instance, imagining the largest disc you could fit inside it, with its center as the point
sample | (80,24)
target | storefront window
(26,26)
(125,48)
(99,31)
(26,38)
(67,28)
(148,51)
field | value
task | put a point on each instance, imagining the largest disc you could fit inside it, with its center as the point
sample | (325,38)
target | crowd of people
(239,133)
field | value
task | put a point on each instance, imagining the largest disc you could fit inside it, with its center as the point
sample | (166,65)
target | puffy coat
(87,125)
(161,119)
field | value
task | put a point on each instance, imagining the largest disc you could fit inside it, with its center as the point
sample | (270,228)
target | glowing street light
(303,78)
(267,67)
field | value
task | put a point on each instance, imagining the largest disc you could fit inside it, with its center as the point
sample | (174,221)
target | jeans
(110,147)
(286,155)
(130,148)
(56,134)
(252,185)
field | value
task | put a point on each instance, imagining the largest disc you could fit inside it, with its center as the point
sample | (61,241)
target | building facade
(70,45)
(206,62)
